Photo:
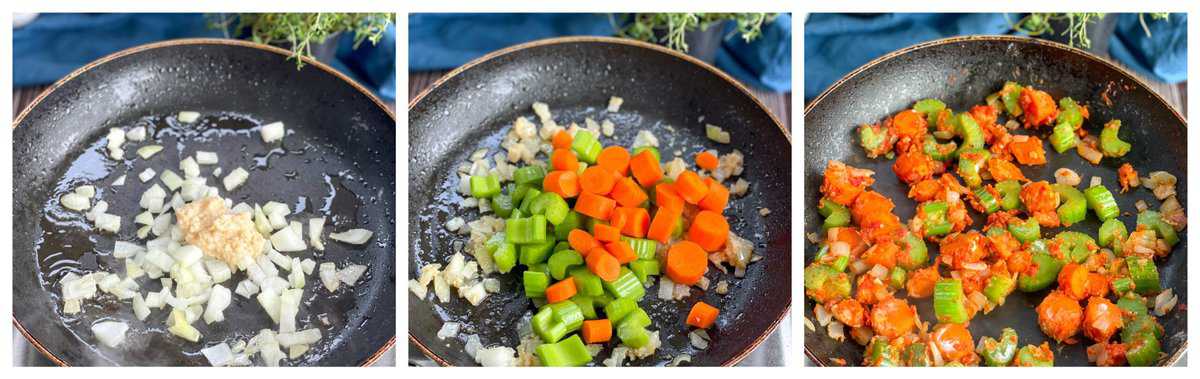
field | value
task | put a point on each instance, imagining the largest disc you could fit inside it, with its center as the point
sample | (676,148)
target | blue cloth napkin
(447,40)
(55,44)
(835,44)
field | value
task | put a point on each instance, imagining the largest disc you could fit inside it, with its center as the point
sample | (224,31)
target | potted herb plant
(311,35)
(698,34)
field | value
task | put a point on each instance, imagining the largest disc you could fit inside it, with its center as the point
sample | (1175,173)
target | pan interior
(476,108)
(962,72)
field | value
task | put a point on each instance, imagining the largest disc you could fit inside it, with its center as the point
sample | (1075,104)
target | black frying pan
(475,105)
(337,161)
(962,71)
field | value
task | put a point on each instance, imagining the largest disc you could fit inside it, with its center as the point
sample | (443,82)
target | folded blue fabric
(446,40)
(55,44)
(835,44)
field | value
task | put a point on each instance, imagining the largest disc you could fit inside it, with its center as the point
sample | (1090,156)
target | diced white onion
(109,223)
(303,337)
(146,175)
(110,333)
(287,240)
(315,226)
(171,180)
(148,151)
(136,134)
(235,178)
(328,274)
(206,157)
(190,168)
(218,355)
(119,182)
(497,356)
(219,298)
(448,330)
(188,117)
(272,132)
(350,274)
(75,202)
(122,249)
(352,236)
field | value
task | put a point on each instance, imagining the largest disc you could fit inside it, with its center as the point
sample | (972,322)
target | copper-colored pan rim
(1005,38)
(621,41)
(37,344)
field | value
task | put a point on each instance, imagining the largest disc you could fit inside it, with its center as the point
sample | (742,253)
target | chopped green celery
(518,193)
(1010,194)
(1011,97)
(626,285)
(989,202)
(644,268)
(971,133)
(1143,350)
(586,147)
(1075,246)
(587,305)
(637,317)
(999,353)
(553,206)
(1063,138)
(1026,231)
(933,217)
(531,175)
(1047,268)
(998,287)
(587,283)
(503,205)
(505,257)
(1074,204)
(898,277)
(1110,144)
(1032,356)
(880,353)
(841,263)
(653,151)
(1069,112)
(495,241)
(916,355)
(939,151)
(1112,234)
(540,267)
(1133,304)
(1144,275)
(572,221)
(836,215)
(619,308)
(871,137)
(930,108)
(970,164)
(1122,285)
(535,283)
(560,246)
(527,201)
(1102,202)
(561,261)
(484,187)
(1140,324)
(571,352)
(526,230)
(1152,219)
(948,301)
(916,253)
(644,248)
(534,253)
(822,278)
(516,213)
(568,313)
(633,335)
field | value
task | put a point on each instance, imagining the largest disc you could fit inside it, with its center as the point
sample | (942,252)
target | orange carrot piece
(596,331)
(707,160)
(618,218)
(690,187)
(646,168)
(614,158)
(637,223)
(607,233)
(581,241)
(702,315)
(564,159)
(709,230)
(594,206)
(663,224)
(561,291)
(601,263)
(666,197)
(562,140)
(564,183)
(717,197)
(628,193)
(621,250)
(597,180)
(686,262)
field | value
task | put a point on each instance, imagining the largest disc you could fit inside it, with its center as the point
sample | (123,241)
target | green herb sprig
(1035,24)
(675,26)
(300,31)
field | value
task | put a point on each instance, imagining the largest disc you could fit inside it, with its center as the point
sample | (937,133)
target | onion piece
(136,134)
(287,240)
(187,117)
(272,132)
(235,178)
(499,356)
(303,337)
(110,333)
(716,134)
(171,179)
(181,328)
(148,151)
(315,226)
(328,275)
(350,274)
(190,168)
(448,330)
(122,249)
(219,298)
(218,355)
(206,158)
(146,175)
(246,288)
(352,236)
(119,182)
(75,202)
(109,223)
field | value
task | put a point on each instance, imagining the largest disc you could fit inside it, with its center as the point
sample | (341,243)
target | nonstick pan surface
(337,161)
(961,72)
(669,94)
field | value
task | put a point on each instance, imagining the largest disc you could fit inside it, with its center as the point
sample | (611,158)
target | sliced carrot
(564,183)
(707,160)
(621,250)
(646,168)
(614,158)
(637,223)
(686,262)
(561,291)
(594,206)
(581,241)
(628,193)
(598,180)
(607,233)
(666,197)
(564,159)
(562,140)
(601,263)
(618,218)
(717,197)
(709,229)
(663,224)
(690,187)
(596,331)
(702,315)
